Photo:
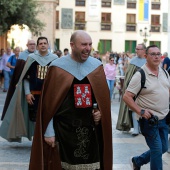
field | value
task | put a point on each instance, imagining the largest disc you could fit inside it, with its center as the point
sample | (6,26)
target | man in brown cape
(70,133)
(17,72)
(126,120)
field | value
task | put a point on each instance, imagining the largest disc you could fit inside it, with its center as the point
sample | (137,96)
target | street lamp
(145,34)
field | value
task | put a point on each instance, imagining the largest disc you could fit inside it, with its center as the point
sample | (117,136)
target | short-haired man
(153,100)
(66,51)
(6,70)
(124,122)
(58,53)
(96,55)
(67,115)
(24,103)
(166,62)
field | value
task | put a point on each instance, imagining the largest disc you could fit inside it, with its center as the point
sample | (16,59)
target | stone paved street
(15,156)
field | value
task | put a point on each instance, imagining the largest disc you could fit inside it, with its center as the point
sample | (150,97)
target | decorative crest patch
(82,95)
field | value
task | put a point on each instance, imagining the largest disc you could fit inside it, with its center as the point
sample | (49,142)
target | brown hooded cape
(14,80)
(56,87)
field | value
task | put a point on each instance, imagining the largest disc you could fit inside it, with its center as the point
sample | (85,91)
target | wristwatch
(142,112)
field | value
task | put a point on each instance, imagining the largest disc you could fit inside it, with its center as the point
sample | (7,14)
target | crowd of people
(63,102)
(55,100)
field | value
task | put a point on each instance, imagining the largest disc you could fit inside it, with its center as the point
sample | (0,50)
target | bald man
(74,85)
(17,72)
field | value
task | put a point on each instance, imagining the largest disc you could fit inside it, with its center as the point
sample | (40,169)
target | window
(106,17)
(80,16)
(57,44)
(131,18)
(155,4)
(106,21)
(106,3)
(80,22)
(158,43)
(131,4)
(155,23)
(57,19)
(131,22)
(130,46)
(80,2)
(106,45)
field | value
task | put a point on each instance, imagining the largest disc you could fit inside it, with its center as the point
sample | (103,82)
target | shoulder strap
(165,72)
(12,57)
(143,79)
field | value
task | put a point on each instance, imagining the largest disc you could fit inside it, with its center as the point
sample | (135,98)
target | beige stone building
(117,24)
(114,25)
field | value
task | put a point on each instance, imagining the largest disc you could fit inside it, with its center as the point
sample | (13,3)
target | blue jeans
(135,124)
(111,86)
(6,79)
(157,140)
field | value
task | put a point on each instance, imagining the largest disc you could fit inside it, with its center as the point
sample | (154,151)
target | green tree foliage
(20,12)
(99,47)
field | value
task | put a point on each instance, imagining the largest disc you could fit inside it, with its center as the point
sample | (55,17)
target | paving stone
(15,156)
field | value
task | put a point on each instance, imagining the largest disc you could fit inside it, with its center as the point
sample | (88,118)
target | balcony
(131,5)
(131,27)
(106,26)
(155,28)
(156,5)
(106,3)
(80,25)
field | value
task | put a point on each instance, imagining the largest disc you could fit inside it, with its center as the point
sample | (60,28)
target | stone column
(49,18)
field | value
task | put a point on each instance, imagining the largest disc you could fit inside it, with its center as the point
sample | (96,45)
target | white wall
(118,34)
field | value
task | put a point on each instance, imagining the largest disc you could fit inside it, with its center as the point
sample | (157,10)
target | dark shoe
(133,164)
(135,134)
(4,90)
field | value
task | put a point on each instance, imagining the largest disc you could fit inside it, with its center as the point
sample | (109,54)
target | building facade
(114,25)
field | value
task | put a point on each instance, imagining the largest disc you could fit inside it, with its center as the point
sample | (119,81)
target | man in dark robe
(17,72)
(126,119)
(70,133)
(21,112)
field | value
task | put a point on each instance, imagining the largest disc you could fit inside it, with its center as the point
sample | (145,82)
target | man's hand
(50,141)
(30,98)
(96,116)
(147,114)
(0,71)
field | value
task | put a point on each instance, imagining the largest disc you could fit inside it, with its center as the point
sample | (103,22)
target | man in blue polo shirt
(166,62)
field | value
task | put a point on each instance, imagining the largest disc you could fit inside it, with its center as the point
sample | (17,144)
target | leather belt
(36,92)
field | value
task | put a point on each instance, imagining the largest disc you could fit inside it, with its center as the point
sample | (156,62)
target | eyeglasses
(31,44)
(111,60)
(154,54)
(138,49)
